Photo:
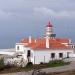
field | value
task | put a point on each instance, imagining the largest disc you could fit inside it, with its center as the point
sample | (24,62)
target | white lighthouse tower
(49,34)
(49,31)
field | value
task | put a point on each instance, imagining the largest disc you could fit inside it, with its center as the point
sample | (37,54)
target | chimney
(47,42)
(30,40)
(70,41)
(35,40)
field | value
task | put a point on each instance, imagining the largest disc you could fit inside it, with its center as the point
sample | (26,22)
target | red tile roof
(41,43)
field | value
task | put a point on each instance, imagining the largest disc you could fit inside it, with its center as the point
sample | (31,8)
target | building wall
(31,56)
(24,50)
(38,56)
(19,47)
(45,55)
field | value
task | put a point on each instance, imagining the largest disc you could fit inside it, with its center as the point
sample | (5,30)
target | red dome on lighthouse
(49,24)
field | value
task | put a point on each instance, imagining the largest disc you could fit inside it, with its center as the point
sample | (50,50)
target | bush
(41,63)
(2,64)
(30,64)
(8,66)
(56,63)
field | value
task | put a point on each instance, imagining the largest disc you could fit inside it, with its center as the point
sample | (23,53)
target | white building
(40,50)
(43,50)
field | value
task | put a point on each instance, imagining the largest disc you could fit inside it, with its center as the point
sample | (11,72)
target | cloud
(4,15)
(50,12)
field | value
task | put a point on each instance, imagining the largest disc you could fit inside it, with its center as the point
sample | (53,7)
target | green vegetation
(1,64)
(30,66)
(54,63)
(57,63)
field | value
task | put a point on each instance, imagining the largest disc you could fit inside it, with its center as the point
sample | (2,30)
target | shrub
(2,64)
(56,63)
(8,66)
(41,63)
(30,64)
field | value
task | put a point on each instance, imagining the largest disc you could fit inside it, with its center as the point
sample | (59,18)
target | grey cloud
(5,15)
(57,14)
(25,7)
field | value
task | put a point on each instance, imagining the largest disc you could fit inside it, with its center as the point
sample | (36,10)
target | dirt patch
(64,73)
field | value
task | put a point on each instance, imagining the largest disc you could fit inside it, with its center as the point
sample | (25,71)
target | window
(52,55)
(28,53)
(60,55)
(72,46)
(18,56)
(17,47)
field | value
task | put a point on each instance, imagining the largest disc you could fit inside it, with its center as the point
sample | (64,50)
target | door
(68,54)
(29,55)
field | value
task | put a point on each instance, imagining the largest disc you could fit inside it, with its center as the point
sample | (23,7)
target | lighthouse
(49,31)
(49,34)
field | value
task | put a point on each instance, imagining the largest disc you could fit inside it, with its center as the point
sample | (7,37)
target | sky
(23,18)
